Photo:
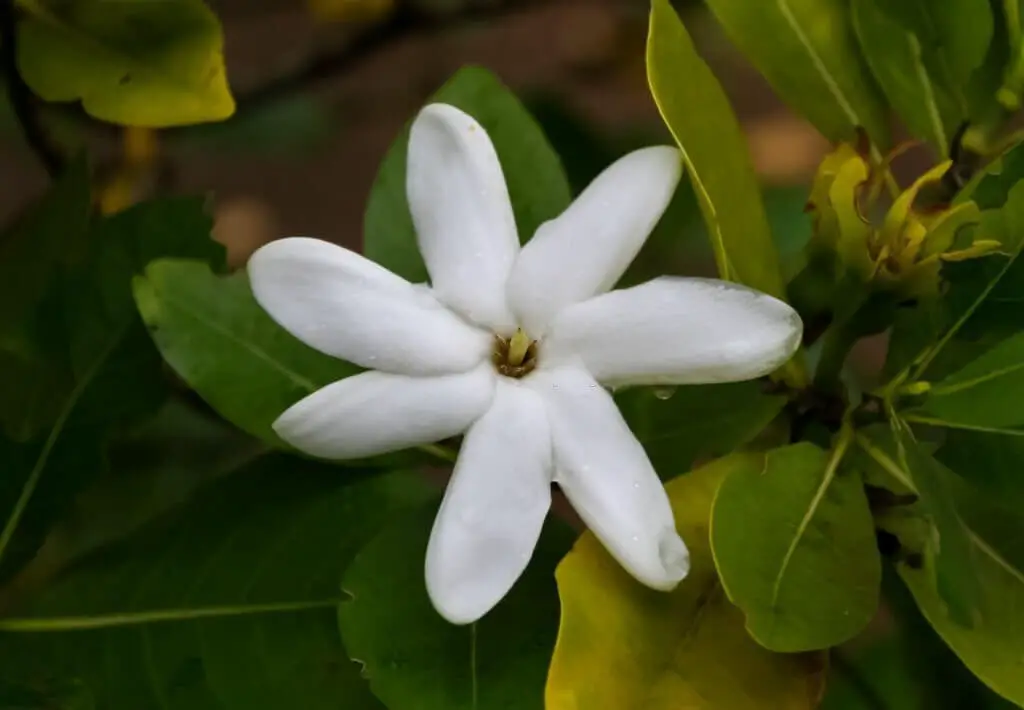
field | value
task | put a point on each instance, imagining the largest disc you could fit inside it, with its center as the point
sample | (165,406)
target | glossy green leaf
(925,102)
(980,304)
(809,54)
(414,659)
(985,394)
(679,425)
(622,645)
(116,375)
(534,175)
(230,603)
(715,153)
(993,644)
(947,547)
(216,337)
(794,543)
(136,63)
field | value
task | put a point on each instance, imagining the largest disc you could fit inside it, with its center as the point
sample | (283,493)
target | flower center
(515,356)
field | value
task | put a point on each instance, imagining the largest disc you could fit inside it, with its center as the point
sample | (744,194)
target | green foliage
(807,51)
(679,426)
(536,181)
(77,327)
(136,63)
(786,525)
(229,603)
(684,649)
(923,55)
(413,658)
(717,162)
(210,329)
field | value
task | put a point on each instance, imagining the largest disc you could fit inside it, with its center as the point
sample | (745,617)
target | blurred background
(324,86)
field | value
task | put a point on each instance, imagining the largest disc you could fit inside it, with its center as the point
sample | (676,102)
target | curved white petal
(345,305)
(585,250)
(494,508)
(676,331)
(462,214)
(375,412)
(608,478)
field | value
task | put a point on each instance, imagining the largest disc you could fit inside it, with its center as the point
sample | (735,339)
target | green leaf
(49,235)
(136,63)
(991,189)
(715,154)
(807,51)
(679,425)
(896,55)
(230,603)
(622,645)
(116,374)
(923,55)
(985,394)
(216,337)
(980,304)
(947,546)
(536,181)
(991,461)
(794,543)
(993,645)
(413,658)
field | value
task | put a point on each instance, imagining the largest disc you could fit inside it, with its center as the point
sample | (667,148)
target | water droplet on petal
(664,393)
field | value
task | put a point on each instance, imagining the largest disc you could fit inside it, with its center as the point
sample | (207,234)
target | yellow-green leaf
(134,62)
(698,114)
(795,546)
(807,51)
(622,645)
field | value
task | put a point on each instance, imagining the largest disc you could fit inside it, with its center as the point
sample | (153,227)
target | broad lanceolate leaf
(925,102)
(956,580)
(807,51)
(654,651)
(923,55)
(415,659)
(536,182)
(939,535)
(987,393)
(213,333)
(795,545)
(228,604)
(697,112)
(993,643)
(116,375)
(678,426)
(136,63)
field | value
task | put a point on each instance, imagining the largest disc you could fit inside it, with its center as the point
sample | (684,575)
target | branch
(22,100)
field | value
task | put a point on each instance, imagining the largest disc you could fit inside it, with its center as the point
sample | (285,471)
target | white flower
(514,347)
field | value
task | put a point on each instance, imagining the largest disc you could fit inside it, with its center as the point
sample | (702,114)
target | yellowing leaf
(622,645)
(137,62)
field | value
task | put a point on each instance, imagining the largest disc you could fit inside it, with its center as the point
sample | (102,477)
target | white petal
(462,214)
(375,412)
(345,305)
(585,250)
(608,478)
(676,331)
(494,508)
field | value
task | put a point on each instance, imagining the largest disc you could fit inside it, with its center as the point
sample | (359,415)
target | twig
(23,102)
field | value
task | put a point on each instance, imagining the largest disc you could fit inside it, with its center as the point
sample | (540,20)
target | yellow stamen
(517,348)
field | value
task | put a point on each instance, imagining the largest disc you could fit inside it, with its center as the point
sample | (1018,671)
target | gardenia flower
(515,346)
